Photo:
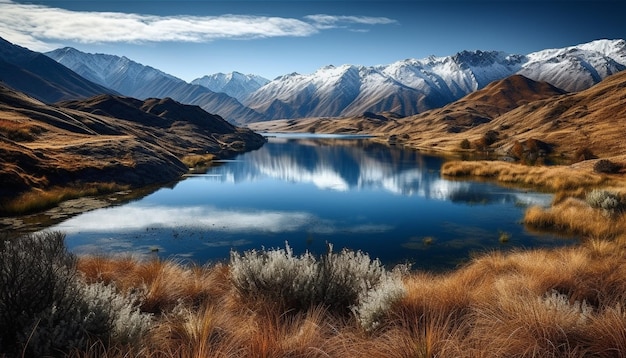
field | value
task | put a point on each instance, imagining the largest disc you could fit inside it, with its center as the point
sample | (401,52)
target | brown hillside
(506,112)
(594,119)
(42,146)
(473,110)
(568,123)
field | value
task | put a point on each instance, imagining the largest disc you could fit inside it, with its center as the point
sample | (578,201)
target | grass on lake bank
(36,200)
(198,160)
(555,178)
(573,210)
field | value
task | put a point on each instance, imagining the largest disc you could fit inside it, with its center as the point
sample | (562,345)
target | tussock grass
(37,200)
(576,217)
(565,302)
(556,178)
(198,160)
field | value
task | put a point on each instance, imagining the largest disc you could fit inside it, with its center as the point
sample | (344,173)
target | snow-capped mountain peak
(234,84)
(413,85)
(136,80)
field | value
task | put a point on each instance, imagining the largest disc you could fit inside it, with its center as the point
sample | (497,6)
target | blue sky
(192,38)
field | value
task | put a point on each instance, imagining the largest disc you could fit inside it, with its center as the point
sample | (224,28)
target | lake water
(312,190)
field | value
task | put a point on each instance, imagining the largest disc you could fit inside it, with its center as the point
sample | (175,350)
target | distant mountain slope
(579,67)
(106,139)
(508,112)
(136,80)
(475,109)
(234,84)
(39,76)
(592,119)
(405,87)
(412,86)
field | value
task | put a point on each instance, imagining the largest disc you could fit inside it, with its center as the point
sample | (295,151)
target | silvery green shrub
(46,308)
(374,304)
(609,202)
(344,282)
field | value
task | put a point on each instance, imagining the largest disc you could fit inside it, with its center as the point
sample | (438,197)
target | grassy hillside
(103,143)
(504,114)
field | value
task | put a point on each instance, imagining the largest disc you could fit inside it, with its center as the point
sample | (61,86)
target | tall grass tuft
(37,200)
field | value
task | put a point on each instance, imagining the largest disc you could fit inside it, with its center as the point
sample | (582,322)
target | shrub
(490,137)
(606,166)
(47,309)
(583,154)
(486,140)
(375,304)
(342,282)
(609,202)
(36,273)
(465,144)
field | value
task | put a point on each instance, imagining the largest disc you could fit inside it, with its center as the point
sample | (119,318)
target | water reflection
(309,191)
(357,164)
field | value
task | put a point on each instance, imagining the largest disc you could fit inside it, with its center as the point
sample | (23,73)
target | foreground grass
(539,303)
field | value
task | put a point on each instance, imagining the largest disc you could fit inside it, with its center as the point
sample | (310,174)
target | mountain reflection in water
(308,191)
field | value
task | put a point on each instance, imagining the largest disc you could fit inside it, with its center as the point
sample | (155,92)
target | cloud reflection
(133,218)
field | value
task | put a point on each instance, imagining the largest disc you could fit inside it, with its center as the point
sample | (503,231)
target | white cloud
(34,23)
(322,21)
(35,26)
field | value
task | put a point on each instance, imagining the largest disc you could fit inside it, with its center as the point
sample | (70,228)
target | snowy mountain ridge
(406,87)
(234,84)
(414,85)
(139,81)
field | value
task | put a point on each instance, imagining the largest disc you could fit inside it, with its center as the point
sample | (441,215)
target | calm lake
(309,190)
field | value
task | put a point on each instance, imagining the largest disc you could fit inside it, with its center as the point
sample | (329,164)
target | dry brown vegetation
(539,303)
(36,200)
(555,178)
(51,153)
(564,302)
(516,109)
(198,160)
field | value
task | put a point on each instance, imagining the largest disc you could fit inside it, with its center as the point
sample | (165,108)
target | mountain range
(413,86)
(405,87)
(234,84)
(41,77)
(130,78)
(508,117)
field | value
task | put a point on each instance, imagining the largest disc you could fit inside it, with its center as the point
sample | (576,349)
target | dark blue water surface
(312,190)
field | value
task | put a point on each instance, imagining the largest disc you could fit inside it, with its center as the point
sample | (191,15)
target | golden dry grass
(198,160)
(555,178)
(574,216)
(36,200)
(565,302)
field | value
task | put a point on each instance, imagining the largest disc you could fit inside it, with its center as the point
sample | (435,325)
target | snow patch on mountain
(139,81)
(414,85)
(234,84)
